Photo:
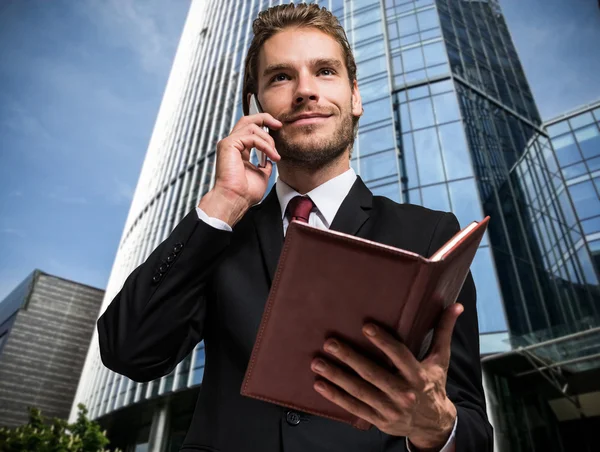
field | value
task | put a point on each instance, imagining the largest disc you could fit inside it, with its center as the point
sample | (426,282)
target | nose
(306,90)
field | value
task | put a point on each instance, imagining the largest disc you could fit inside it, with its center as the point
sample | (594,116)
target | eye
(327,71)
(279,77)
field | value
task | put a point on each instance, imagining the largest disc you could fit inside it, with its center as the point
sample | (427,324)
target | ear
(357,108)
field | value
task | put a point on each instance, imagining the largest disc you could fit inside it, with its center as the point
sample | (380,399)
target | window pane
(407,25)
(198,375)
(361,3)
(378,165)
(434,54)
(410,40)
(446,108)
(558,129)
(489,312)
(397,65)
(465,202)
(369,31)
(413,59)
(371,67)
(437,71)
(418,92)
(391,191)
(585,199)
(405,118)
(574,170)
(436,197)
(199,357)
(566,150)
(590,226)
(589,272)
(427,19)
(375,89)
(367,17)
(376,111)
(589,141)
(409,163)
(581,120)
(441,87)
(421,112)
(430,34)
(455,151)
(593,164)
(374,49)
(414,197)
(376,140)
(415,76)
(429,160)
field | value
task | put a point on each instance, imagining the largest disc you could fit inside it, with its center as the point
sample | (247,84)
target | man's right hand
(238,183)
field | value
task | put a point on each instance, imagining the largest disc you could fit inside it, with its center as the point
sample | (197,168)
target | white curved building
(448,113)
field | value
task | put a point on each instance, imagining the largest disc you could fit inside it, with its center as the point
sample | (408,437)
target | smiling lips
(309,118)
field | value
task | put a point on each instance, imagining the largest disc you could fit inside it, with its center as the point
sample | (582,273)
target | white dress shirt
(327,199)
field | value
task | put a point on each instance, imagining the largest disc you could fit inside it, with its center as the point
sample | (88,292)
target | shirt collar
(327,197)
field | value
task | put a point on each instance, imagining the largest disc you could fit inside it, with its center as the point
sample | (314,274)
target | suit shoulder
(408,212)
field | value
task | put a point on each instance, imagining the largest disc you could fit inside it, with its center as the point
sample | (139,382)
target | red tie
(299,208)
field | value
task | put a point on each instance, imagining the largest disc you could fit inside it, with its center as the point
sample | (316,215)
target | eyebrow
(333,62)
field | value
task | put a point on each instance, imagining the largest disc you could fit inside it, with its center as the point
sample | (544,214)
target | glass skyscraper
(450,123)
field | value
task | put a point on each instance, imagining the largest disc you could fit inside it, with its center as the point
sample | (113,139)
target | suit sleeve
(464,384)
(158,316)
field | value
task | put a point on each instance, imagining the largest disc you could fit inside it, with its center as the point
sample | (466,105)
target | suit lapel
(351,216)
(354,211)
(269,227)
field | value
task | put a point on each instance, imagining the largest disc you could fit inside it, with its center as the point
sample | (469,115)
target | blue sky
(80,86)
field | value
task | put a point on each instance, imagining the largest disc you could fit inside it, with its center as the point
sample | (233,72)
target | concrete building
(46,325)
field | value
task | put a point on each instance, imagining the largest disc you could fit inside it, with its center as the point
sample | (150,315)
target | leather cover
(329,284)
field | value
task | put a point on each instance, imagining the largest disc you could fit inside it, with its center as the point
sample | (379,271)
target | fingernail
(319,386)
(320,366)
(371,330)
(332,346)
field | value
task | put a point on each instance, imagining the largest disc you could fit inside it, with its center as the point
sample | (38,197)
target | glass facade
(576,140)
(450,123)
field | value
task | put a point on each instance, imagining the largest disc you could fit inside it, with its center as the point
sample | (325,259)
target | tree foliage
(54,435)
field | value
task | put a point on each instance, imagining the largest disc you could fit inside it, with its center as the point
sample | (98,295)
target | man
(211,277)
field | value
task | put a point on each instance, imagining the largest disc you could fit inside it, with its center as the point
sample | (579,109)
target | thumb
(442,339)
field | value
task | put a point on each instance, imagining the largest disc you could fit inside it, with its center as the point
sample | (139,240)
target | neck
(304,179)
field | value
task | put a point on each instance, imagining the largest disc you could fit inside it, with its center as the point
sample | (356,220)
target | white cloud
(144,27)
(12,231)
(18,119)
(122,193)
(64,195)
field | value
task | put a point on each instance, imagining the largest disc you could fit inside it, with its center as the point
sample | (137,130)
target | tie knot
(299,208)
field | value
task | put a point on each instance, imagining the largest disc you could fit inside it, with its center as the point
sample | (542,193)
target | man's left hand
(411,402)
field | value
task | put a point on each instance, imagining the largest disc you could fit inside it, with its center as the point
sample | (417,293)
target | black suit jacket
(204,283)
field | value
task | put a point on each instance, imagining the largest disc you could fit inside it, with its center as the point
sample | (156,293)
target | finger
(249,141)
(390,384)
(260,119)
(359,388)
(346,401)
(442,339)
(265,172)
(397,352)
(253,128)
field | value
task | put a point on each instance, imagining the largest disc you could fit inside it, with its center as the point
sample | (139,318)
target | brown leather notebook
(329,284)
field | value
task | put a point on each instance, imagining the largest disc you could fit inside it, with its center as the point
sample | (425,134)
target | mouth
(307,119)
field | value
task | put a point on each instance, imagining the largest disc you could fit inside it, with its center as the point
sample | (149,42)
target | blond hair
(276,19)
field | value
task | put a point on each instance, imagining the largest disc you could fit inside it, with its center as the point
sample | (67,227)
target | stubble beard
(311,155)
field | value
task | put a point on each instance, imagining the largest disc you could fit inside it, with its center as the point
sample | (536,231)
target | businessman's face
(303,82)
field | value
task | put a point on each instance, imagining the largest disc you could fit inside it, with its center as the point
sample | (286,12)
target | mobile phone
(254,109)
